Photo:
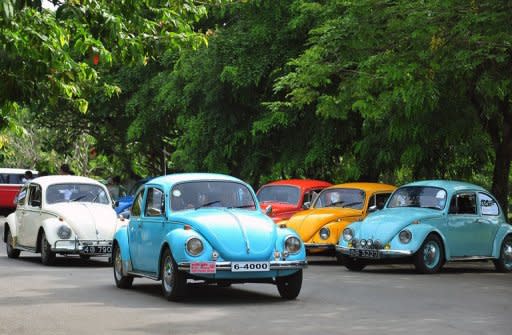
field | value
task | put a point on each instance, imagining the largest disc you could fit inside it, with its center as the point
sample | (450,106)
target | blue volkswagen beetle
(205,227)
(428,223)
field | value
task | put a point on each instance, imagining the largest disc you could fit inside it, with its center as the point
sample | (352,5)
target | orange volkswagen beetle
(336,207)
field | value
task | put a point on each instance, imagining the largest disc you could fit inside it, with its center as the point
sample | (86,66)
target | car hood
(235,234)
(279,209)
(385,224)
(307,223)
(89,221)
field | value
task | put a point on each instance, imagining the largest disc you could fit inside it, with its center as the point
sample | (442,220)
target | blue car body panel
(463,235)
(234,234)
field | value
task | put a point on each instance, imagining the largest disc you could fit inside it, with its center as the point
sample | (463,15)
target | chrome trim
(274,265)
(471,258)
(142,274)
(383,253)
(80,244)
(319,246)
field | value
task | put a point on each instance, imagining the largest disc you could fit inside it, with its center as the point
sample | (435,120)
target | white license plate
(250,266)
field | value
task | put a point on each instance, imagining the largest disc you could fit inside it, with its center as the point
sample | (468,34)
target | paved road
(79,297)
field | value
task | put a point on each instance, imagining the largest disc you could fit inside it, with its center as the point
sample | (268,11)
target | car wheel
(174,282)
(351,263)
(121,280)
(12,252)
(47,255)
(430,257)
(504,263)
(289,286)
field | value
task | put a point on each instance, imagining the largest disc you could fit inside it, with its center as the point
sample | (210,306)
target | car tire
(352,264)
(504,262)
(430,256)
(47,255)
(121,280)
(289,286)
(174,282)
(12,252)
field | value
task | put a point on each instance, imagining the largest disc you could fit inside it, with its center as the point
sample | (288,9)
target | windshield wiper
(332,204)
(352,203)
(242,206)
(208,204)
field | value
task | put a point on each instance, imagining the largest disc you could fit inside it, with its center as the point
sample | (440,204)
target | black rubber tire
(11,251)
(122,281)
(503,263)
(174,282)
(289,286)
(47,255)
(420,257)
(352,264)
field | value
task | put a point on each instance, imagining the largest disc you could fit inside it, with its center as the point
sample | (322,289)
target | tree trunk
(501,174)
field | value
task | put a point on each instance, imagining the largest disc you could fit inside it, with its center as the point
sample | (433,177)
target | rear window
(11,178)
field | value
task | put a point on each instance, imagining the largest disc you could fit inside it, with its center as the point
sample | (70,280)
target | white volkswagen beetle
(61,215)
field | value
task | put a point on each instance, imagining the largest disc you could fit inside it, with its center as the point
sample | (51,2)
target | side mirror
(372,209)
(307,205)
(268,211)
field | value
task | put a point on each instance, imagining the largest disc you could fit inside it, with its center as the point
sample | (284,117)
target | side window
(488,205)
(20,198)
(137,204)
(380,200)
(463,203)
(154,203)
(34,197)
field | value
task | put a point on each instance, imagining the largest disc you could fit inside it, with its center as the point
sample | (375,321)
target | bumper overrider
(274,265)
(373,253)
(84,247)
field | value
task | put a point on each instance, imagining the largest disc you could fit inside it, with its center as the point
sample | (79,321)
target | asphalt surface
(79,297)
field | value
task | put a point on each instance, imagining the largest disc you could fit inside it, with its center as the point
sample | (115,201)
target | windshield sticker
(176,193)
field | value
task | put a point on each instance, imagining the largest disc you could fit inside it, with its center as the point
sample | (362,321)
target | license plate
(364,253)
(91,249)
(202,267)
(250,266)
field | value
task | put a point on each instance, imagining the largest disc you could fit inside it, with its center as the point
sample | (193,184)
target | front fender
(282,234)
(503,231)
(50,227)
(176,240)
(419,234)
(121,241)
(11,223)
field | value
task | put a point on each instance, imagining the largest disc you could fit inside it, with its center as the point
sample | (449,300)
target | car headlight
(348,234)
(194,246)
(64,232)
(405,236)
(292,244)
(325,233)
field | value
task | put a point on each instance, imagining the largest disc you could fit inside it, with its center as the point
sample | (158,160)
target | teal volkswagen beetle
(428,223)
(205,227)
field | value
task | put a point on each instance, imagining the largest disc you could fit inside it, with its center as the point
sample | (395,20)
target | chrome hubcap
(507,254)
(168,273)
(118,266)
(431,254)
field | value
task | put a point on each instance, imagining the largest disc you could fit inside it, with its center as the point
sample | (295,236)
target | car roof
(370,187)
(304,183)
(449,185)
(64,179)
(176,178)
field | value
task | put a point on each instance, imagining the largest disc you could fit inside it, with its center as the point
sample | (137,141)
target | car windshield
(418,196)
(200,194)
(279,193)
(340,197)
(76,192)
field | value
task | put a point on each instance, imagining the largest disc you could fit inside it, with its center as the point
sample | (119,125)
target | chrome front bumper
(274,265)
(83,247)
(322,246)
(383,253)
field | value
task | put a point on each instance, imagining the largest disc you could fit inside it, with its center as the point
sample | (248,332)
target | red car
(288,196)
(11,181)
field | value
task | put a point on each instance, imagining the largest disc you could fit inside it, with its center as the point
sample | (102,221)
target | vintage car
(206,227)
(61,215)
(283,198)
(11,181)
(335,208)
(428,223)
